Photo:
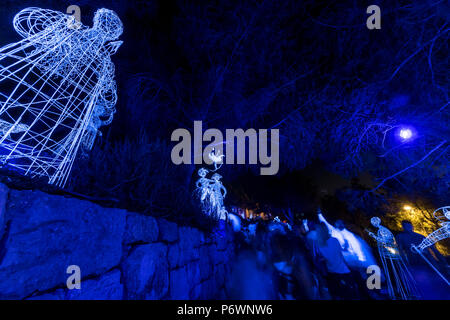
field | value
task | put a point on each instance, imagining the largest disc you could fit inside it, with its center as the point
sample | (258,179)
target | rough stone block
(47,233)
(168,231)
(140,228)
(179,286)
(106,287)
(145,272)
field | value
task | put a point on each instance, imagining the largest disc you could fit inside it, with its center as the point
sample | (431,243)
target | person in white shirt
(339,278)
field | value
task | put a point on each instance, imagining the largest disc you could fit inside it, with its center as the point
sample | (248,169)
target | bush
(136,174)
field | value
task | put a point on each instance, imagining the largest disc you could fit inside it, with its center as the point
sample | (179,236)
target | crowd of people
(279,261)
(309,260)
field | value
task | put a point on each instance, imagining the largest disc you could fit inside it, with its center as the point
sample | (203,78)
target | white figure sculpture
(216,159)
(401,284)
(441,233)
(443,215)
(56,89)
(203,184)
(211,193)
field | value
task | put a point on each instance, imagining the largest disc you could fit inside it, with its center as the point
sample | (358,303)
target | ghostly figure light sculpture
(401,284)
(56,89)
(216,159)
(438,235)
(211,192)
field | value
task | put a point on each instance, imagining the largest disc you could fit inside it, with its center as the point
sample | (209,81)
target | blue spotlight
(405,134)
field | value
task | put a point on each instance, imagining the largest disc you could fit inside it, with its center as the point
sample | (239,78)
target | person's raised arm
(322,219)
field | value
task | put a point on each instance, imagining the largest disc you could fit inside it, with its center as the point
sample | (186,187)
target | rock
(222,243)
(219,275)
(140,228)
(145,272)
(190,237)
(58,294)
(222,295)
(208,290)
(212,250)
(179,286)
(193,273)
(174,256)
(195,292)
(168,231)
(205,264)
(3,199)
(180,254)
(189,244)
(48,233)
(106,287)
(208,239)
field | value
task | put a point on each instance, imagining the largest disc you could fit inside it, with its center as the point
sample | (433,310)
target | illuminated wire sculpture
(216,159)
(400,282)
(56,89)
(438,235)
(211,191)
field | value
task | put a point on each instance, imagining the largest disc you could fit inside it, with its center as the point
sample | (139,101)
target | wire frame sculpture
(57,88)
(210,191)
(400,282)
(443,215)
(441,233)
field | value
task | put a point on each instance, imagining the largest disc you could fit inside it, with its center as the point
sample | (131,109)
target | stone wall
(121,254)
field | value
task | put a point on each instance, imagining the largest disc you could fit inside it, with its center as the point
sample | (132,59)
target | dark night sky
(311,69)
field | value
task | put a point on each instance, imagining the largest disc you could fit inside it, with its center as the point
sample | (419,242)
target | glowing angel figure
(216,159)
(438,235)
(203,185)
(57,89)
(400,282)
(218,195)
(211,193)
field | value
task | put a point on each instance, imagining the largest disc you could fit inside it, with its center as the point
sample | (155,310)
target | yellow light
(407,207)
(392,250)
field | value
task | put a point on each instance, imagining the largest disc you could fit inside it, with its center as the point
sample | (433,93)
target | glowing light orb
(407,207)
(405,134)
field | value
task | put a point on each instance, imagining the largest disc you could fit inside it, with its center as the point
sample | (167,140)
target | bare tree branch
(409,167)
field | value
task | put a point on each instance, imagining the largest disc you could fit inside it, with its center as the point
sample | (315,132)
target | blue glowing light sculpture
(56,89)
(400,282)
